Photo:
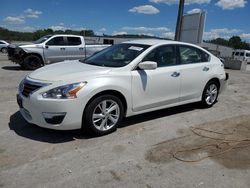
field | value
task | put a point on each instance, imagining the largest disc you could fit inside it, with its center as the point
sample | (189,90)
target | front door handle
(80,48)
(62,48)
(205,69)
(175,74)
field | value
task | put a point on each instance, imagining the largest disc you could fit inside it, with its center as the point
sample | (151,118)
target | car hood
(68,70)
(30,45)
(25,46)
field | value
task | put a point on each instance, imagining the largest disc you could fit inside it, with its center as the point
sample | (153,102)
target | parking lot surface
(149,150)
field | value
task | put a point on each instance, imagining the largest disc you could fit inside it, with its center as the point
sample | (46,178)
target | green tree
(235,42)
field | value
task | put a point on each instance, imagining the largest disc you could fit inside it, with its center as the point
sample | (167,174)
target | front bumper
(15,55)
(51,113)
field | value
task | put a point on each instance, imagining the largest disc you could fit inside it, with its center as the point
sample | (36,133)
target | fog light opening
(54,118)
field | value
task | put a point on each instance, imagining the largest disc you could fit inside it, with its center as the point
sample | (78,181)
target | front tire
(103,115)
(210,94)
(4,50)
(32,62)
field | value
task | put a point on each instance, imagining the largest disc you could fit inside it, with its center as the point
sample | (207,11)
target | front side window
(163,56)
(1,42)
(57,41)
(248,54)
(74,41)
(189,54)
(118,55)
(237,53)
(43,39)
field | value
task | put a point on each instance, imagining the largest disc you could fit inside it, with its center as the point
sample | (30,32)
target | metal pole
(179,20)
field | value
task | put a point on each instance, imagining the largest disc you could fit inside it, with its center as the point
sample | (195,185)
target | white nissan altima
(123,80)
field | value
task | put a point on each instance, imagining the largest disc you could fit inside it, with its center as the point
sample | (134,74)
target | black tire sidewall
(87,118)
(26,62)
(203,101)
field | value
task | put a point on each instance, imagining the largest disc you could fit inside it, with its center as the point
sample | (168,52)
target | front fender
(98,85)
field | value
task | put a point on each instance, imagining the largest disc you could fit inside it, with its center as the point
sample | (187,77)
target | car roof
(3,41)
(66,35)
(156,42)
(153,42)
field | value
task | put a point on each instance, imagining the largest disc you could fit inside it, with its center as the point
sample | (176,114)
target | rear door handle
(62,48)
(205,69)
(80,48)
(175,74)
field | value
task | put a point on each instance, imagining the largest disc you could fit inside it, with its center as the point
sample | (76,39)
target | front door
(55,50)
(159,87)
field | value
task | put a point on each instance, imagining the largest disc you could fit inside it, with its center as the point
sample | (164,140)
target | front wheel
(210,94)
(103,115)
(4,50)
(32,62)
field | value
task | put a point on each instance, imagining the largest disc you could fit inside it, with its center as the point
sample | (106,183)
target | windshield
(41,40)
(118,55)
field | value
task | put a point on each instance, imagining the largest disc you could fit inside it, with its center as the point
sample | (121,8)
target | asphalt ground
(149,150)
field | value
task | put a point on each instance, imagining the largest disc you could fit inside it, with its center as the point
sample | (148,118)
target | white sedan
(123,80)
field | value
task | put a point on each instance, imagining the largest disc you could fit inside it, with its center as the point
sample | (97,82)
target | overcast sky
(225,18)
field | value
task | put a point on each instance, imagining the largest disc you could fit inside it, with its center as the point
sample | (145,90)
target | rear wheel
(32,62)
(210,94)
(103,115)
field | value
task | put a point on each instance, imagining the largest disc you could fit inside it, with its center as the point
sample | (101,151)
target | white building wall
(219,50)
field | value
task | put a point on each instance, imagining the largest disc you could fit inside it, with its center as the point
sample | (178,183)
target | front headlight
(64,92)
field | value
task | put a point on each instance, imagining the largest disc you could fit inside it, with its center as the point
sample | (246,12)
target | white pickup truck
(51,49)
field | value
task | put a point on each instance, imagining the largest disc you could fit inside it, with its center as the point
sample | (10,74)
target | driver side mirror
(46,46)
(147,65)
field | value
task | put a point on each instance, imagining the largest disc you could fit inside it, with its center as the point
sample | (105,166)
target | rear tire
(32,62)
(210,94)
(103,115)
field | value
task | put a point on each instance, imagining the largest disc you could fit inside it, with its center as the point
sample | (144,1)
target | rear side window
(74,41)
(57,41)
(1,42)
(241,53)
(248,54)
(164,56)
(237,53)
(189,54)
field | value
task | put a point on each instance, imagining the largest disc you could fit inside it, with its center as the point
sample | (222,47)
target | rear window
(73,41)
(189,54)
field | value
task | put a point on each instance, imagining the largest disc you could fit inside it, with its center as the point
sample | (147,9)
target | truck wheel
(103,115)
(4,50)
(32,62)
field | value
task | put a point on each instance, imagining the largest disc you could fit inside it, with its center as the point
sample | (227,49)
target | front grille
(11,51)
(29,88)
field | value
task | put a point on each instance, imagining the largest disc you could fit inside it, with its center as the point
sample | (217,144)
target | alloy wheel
(211,94)
(106,115)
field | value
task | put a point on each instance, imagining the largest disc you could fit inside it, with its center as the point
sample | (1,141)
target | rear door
(195,69)
(54,50)
(74,48)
